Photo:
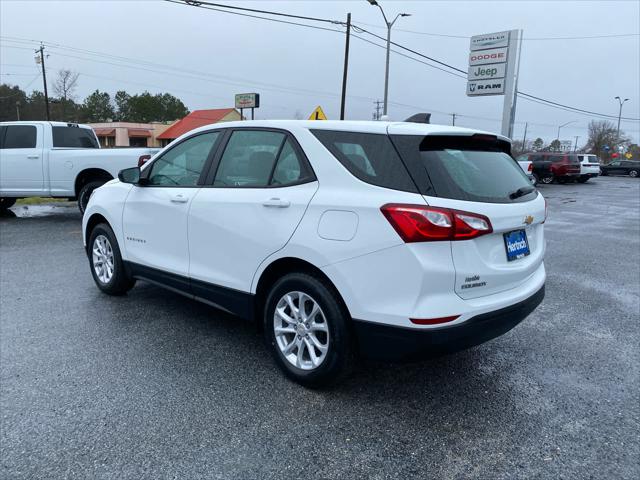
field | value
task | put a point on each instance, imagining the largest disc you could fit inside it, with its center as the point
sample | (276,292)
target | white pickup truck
(56,159)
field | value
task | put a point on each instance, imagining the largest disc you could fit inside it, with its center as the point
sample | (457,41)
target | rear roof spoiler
(419,118)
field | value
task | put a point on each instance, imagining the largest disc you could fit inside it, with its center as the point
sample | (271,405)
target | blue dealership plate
(516,244)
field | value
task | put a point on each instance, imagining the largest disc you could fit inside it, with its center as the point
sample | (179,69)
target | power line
(206,7)
(467,37)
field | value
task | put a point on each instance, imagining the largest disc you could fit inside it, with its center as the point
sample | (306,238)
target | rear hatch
(589,164)
(476,174)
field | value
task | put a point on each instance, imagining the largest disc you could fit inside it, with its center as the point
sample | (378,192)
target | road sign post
(494,61)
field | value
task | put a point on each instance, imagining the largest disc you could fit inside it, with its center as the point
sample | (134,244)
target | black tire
(6,203)
(633,173)
(547,178)
(86,191)
(120,282)
(536,179)
(583,179)
(603,173)
(338,358)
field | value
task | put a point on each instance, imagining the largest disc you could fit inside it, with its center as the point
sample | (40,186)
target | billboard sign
(247,100)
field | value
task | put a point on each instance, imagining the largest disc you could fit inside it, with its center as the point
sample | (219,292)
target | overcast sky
(296,68)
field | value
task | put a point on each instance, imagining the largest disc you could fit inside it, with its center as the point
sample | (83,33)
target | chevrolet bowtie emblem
(528,220)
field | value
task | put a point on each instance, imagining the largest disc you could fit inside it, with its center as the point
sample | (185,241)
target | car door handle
(179,198)
(276,203)
(33,157)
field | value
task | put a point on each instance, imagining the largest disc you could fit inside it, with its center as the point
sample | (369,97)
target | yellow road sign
(317,114)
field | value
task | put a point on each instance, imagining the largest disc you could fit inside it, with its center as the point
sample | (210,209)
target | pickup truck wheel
(85,193)
(306,329)
(106,263)
(6,203)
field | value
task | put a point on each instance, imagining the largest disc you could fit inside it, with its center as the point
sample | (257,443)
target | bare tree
(603,138)
(65,84)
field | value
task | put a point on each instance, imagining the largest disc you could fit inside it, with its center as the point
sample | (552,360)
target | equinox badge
(528,220)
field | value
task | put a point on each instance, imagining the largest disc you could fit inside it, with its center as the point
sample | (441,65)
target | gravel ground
(152,385)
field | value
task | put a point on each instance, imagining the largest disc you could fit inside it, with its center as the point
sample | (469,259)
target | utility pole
(386,71)
(346,66)
(524,137)
(44,78)
(622,102)
(453,119)
(376,114)
(575,147)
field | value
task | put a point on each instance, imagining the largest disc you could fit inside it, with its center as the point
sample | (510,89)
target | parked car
(589,167)
(56,159)
(527,167)
(550,167)
(390,239)
(622,167)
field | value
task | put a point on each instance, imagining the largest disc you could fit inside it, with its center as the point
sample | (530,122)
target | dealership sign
(482,72)
(483,57)
(490,40)
(485,87)
(493,70)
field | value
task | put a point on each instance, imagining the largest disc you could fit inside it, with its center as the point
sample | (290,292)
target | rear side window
(462,168)
(369,157)
(74,137)
(20,136)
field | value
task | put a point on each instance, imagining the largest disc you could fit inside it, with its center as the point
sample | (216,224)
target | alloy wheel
(102,255)
(301,330)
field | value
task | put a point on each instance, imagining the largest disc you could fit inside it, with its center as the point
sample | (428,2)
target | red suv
(547,167)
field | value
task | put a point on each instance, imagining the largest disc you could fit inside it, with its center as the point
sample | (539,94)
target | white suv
(394,240)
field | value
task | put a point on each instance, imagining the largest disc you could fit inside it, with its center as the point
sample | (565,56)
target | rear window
(74,137)
(369,157)
(463,168)
(20,136)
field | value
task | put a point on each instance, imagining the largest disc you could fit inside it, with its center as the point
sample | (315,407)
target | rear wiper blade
(521,192)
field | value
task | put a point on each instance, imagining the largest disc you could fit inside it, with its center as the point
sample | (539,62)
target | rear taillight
(530,169)
(143,159)
(417,223)
(546,210)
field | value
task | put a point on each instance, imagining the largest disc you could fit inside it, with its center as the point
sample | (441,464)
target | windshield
(462,168)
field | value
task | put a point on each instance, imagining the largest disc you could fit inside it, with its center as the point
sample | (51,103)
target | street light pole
(386,71)
(620,114)
(561,126)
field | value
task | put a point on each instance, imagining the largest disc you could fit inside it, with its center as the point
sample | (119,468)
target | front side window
(73,137)
(182,165)
(259,158)
(369,157)
(20,136)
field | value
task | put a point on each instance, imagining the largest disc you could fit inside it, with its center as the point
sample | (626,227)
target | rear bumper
(384,342)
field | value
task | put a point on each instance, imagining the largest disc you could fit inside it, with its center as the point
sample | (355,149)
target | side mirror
(130,175)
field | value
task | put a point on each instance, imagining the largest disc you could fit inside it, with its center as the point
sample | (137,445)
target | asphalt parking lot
(152,385)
